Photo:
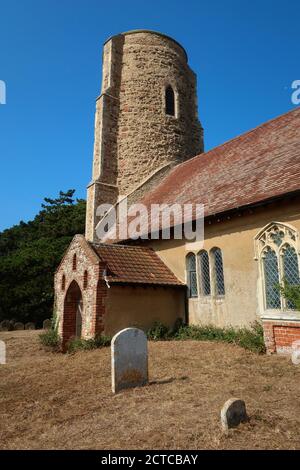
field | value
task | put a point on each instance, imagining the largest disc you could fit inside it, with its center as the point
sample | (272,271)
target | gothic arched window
(277,251)
(204,272)
(170,101)
(290,269)
(219,284)
(191,275)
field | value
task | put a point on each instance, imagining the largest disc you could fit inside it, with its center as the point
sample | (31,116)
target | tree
(30,253)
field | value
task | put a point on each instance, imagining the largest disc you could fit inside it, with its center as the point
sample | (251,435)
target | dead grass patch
(56,401)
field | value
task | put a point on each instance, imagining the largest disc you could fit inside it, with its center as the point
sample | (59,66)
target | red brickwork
(280,335)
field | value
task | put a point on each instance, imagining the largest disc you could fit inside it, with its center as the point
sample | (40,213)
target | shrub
(251,339)
(291,293)
(50,338)
(77,344)
(158,332)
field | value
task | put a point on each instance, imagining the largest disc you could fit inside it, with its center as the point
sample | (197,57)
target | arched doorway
(73,311)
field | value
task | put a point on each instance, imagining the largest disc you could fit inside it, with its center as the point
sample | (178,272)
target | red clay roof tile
(258,165)
(135,264)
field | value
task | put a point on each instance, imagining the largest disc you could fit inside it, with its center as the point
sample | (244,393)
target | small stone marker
(19,325)
(29,326)
(2,352)
(233,413)
(295,356)
(129,359)
(47,324)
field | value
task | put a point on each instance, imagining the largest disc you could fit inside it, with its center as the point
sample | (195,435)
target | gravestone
(19,325)
(233,413)
(295,356)
(129,359)
(47,324)
(30,326)
(2,352)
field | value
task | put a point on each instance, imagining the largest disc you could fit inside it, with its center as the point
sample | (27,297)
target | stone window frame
(171,84)
(266,240)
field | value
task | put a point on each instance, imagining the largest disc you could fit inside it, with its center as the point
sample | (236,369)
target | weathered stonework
(134,137)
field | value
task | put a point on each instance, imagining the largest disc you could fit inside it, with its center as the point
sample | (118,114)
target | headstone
(19,325)
(29,326)
(2,352)
(233,413)
(4,325)
(129,359)
(47,324)
(296,357)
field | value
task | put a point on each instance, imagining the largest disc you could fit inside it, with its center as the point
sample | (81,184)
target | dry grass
(57,401)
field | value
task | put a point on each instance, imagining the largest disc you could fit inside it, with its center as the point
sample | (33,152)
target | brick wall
(93,292)
(279,335)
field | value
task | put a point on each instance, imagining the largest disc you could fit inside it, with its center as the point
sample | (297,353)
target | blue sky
(245,53)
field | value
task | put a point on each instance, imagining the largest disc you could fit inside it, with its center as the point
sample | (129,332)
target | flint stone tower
(146,118)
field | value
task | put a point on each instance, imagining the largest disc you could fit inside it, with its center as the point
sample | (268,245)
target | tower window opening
(170,101)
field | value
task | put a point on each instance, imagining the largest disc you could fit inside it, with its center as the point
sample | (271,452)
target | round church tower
(146,116)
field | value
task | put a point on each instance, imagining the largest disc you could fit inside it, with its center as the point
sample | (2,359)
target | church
(149,149)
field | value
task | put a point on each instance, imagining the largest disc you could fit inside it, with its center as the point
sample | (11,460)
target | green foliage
(50,338)
(158,332)
(29,255)
(291,293)
(77,344)
(251,339)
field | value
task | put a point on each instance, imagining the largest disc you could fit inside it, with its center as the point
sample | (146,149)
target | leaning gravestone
(233,413)
(129,359)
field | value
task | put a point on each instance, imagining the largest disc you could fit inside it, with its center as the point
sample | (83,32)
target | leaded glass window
(219,272)
(192,275)
(204,273)
(290,269)
(277,247)
(271,274)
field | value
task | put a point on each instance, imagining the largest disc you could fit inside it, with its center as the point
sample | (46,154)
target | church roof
(261,164)
(135,264)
